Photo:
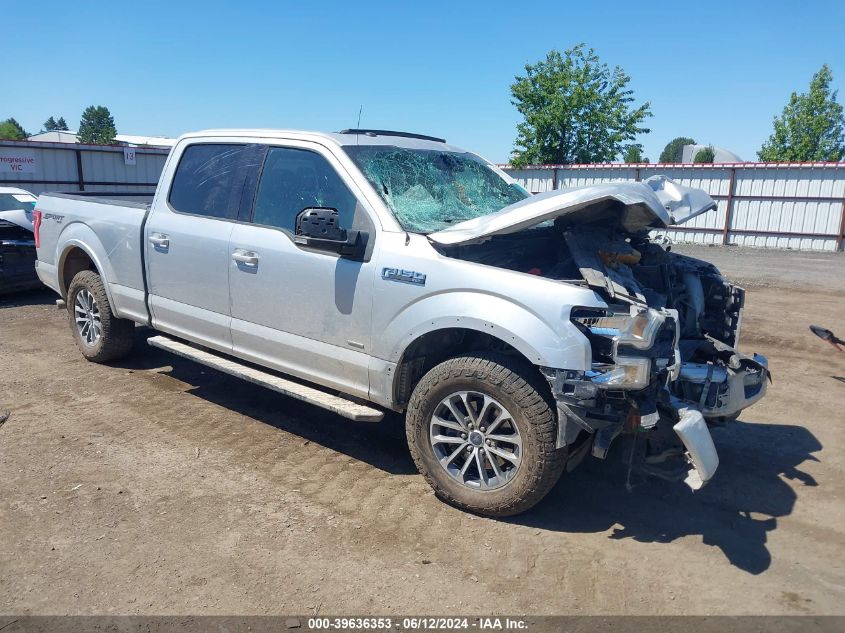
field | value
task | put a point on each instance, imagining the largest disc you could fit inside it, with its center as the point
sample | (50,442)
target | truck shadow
(38,296)
(734,512)
(381,445)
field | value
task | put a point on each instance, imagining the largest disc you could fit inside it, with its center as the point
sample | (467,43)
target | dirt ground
(155,486)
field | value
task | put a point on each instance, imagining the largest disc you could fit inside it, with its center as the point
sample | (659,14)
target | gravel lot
(155,486)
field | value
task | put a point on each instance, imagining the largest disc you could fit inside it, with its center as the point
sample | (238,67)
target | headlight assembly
(640,329)
(628,373)
(615,333)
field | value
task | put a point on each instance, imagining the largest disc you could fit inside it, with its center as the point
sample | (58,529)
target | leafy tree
(811,126)
(576,110)
(97,126)
(52,124)
(634,154)
(704,155)
(674,150)
(12,130)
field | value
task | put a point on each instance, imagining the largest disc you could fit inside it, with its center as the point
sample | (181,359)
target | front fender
(559,345)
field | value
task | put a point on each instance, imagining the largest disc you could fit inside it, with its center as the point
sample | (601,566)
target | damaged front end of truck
(665,363)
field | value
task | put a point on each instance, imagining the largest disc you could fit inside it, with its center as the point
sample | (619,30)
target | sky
(716,71)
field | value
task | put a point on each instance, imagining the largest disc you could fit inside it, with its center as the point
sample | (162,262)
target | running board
(337,404)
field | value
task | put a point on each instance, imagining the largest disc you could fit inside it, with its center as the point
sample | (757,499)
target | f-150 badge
(404,276)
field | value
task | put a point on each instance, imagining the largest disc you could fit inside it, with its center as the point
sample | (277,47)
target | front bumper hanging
(700,450)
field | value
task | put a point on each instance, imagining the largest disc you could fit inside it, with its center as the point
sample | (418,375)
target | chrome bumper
(727,391)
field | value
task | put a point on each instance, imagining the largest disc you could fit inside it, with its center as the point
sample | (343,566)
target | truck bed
(87,198)
(111,228)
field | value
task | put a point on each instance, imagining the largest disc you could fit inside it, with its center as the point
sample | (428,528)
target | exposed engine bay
(665,363)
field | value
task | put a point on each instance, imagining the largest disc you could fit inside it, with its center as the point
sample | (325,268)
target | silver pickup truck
(372,271)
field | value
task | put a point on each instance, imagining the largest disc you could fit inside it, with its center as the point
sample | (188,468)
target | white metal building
(720,154)
(65,136)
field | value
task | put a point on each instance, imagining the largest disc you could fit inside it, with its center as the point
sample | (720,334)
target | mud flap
(693,431)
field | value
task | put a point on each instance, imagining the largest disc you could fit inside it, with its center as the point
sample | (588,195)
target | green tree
(634,154)
(704,155)
(12,130)
(811,126)
(576,110)
(97,126)
(52,124)
(673,152)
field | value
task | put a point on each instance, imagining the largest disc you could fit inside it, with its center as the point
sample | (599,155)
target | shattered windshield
(428,190)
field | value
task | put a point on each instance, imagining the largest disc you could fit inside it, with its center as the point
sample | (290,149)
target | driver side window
(295,179)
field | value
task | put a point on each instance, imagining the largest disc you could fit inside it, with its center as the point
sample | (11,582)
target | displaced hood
(656,203)
(21,216)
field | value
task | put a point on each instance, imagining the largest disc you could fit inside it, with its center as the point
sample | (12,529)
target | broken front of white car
(665,363)
(17,243)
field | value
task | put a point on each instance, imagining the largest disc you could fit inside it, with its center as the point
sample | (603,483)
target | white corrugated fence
(774,205)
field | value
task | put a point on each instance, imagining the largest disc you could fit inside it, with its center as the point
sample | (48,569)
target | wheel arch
(74,260)
(435,346)
(80,249)
(472,321)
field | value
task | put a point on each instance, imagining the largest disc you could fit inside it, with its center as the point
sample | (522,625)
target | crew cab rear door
(187,240)
(299,310)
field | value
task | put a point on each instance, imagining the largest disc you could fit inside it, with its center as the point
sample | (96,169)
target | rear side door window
(296,179)
(211,178)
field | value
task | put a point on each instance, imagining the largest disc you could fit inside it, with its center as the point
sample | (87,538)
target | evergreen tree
(97,126)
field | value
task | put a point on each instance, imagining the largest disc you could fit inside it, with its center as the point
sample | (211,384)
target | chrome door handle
(159,241)
(247,258)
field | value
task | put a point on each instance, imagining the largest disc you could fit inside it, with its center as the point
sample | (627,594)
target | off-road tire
(117,335)
(518,386)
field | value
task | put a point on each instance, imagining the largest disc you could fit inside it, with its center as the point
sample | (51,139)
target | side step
(337,404)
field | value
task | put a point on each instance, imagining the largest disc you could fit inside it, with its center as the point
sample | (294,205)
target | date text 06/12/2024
(418,623)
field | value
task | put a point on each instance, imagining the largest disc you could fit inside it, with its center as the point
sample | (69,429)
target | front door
(304,312)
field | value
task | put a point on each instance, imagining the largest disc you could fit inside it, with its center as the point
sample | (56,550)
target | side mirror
(319,228)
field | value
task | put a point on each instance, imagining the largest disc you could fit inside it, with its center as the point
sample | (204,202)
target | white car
(16,206)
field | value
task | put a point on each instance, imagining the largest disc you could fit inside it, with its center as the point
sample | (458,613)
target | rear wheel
(483,434)
(99,334)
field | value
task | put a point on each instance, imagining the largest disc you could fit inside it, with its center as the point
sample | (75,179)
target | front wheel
(482,433)
(99,334)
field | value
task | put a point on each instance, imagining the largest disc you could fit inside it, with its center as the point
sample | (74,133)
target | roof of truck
(348,137)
